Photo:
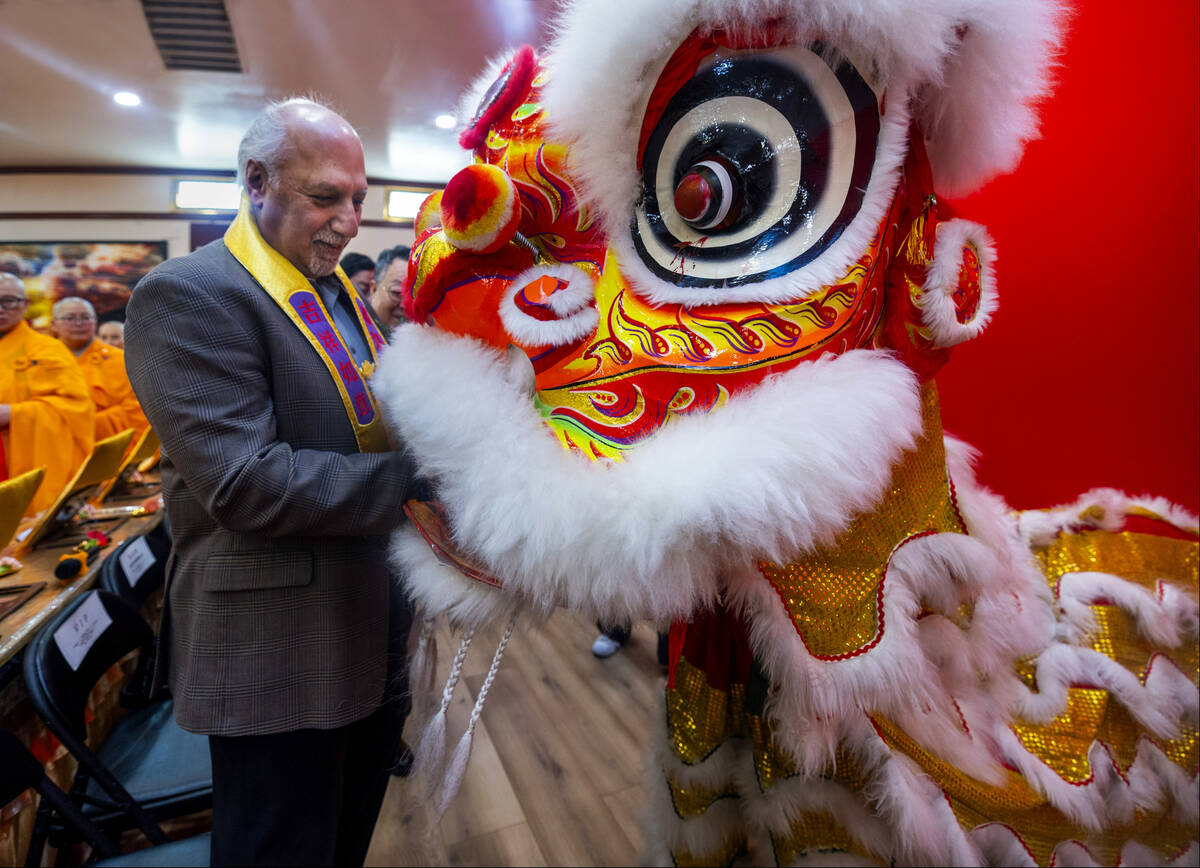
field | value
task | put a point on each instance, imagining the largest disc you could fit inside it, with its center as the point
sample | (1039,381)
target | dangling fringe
(457,768)
(422,671)
(431,751)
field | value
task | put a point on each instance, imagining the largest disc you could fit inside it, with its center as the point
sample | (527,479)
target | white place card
(136,558)
(79,633)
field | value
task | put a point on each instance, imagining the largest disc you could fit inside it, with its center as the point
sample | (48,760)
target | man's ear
(256,182)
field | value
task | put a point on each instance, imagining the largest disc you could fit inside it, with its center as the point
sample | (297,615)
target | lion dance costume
(673,355)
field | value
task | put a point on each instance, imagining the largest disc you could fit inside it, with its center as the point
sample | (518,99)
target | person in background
(46,417)
(74,321)
(282,485)
(361,271)
(387,299)
(112,332)
(616,635)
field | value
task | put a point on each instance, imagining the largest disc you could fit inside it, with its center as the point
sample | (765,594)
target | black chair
(139,689)
(148,769)
(20,771)
(112,576)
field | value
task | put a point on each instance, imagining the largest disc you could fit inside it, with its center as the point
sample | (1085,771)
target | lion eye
(755,167)
(706,195)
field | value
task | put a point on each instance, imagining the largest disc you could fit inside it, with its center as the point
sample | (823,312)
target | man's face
(75,326)
(311,207)
(388,298)
(364,281)
(112,333)
(12,305)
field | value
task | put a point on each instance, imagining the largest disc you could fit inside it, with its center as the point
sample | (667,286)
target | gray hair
(60,306)
(9,277)
(266,141)
(385,259)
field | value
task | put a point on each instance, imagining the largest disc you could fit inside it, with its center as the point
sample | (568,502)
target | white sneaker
(605,646)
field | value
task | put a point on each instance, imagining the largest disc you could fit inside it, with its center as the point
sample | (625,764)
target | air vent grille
(193,34)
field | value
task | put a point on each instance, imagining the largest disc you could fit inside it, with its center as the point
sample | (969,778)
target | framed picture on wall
(103,272)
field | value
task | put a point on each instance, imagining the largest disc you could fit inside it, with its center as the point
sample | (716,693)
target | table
(16,630)
(38,566)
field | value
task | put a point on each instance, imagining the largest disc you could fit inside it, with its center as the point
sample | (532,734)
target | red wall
(1087,375)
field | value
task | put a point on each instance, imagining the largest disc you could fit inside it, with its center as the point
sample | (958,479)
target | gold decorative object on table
(143,449)
(101,466)
(15,496)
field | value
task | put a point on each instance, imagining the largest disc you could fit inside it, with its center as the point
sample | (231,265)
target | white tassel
(457,768)
(431,751)
(422,672)
(422,669)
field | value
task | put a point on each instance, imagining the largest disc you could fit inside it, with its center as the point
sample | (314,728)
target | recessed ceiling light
(444,122)
(125,97)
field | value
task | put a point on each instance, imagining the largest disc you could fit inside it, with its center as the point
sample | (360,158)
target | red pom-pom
(480,209)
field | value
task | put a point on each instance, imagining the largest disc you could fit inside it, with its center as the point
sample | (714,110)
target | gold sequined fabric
(814,834)
(834,596)
(701,718)
(1091,715)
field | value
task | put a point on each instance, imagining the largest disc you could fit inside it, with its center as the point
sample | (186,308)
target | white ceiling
(390,66)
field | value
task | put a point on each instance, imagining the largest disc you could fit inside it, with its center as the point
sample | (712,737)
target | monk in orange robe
(117,407)
(46,416)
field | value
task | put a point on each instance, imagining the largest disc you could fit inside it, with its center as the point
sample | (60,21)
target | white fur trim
(574,305)
(1103,508)
(979,116)
(468,101)
(777,809)
(898,676)
(443,590)
(998,844)
(1165,621)
(937,301)
(1157,784)
(774,472)
(1073,854)
(664,830)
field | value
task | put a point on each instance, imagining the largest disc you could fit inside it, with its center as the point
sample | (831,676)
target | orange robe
(52,415)
(117,407)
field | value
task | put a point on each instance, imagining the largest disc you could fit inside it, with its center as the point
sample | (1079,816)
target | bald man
(252,358)
(117,407)
(45,413)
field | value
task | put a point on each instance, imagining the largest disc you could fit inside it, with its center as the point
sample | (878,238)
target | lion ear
(959,296)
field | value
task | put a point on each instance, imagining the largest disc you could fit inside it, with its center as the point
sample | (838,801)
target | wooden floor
(555,776)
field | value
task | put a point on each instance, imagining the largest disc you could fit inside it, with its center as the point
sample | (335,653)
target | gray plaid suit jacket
(277,596)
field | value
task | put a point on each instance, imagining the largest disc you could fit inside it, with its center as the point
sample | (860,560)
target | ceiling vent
(193,34)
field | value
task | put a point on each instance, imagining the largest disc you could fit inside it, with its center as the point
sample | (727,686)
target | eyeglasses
(11,302)
(75,318)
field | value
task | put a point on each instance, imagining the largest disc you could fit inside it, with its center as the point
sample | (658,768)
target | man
(117,407)
(251,359)
(361,271)
(391,267)
(45,413)
(112,333)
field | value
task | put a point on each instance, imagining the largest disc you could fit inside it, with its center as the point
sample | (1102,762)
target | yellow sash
(296,296)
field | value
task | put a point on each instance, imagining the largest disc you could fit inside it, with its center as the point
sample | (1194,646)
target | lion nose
(480,209)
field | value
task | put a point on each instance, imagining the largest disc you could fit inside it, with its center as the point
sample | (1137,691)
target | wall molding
(150,215)
(207,173)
